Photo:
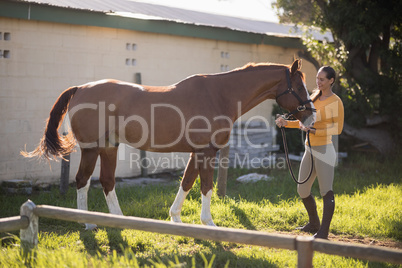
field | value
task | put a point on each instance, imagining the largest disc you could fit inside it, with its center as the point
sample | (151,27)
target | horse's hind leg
(87,165)
(187,182)
(108,158)
(206,169)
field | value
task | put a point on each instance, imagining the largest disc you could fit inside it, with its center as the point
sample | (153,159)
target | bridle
(302,104)
(302,107)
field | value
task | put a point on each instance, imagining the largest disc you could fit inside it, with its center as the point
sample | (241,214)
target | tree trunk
(377,137)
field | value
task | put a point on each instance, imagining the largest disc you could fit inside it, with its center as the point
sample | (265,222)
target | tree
(366,52)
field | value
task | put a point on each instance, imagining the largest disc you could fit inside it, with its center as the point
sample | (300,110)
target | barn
(47,46)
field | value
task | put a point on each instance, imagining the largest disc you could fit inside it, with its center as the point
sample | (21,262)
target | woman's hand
(306,129)
(281,122)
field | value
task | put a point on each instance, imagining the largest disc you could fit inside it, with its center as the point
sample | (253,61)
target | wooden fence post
(304,247)
(144,163)
(223,171)
(65,173)
(29,236)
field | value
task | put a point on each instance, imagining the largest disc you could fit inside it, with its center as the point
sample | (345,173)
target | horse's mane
(252,65)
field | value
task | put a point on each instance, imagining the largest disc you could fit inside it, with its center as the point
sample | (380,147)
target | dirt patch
(368,241)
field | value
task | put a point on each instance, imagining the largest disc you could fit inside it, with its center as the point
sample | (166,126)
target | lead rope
(285,146)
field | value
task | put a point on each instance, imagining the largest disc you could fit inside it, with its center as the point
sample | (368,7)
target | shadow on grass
(219,255)
(395,227)
(243,218)
(223,253)
(94,243)
(115,238)
(89,240)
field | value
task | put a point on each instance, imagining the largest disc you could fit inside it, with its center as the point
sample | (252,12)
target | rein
(302,107)
(285,146)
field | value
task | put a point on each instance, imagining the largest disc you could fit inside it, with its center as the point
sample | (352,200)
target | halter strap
(302,104)
(288,79)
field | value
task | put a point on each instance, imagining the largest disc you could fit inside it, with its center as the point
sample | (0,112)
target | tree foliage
(366,52)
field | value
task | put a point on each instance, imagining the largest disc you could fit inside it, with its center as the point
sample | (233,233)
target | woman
(329,122)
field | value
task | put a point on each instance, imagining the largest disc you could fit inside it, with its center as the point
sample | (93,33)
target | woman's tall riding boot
(328,211)
(314,222)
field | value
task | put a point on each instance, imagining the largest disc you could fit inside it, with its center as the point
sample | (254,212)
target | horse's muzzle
(309,121)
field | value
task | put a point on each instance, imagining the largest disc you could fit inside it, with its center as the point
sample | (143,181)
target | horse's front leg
(206,165)
(190,174)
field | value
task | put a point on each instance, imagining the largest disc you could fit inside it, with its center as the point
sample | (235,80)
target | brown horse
(195,115)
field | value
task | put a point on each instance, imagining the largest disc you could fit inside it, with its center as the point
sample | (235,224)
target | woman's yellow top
(329,121)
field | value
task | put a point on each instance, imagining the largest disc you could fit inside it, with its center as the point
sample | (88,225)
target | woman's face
(323,83)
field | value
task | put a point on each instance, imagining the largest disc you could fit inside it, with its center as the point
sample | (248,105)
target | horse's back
(104,90)
(150,118)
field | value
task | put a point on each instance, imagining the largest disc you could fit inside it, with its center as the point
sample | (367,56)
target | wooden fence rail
(163,227)
(305,246)
(13,223)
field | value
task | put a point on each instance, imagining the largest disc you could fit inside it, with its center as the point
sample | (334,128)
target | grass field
(368,194)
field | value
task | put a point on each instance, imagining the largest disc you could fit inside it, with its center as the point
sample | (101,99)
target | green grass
(368,206)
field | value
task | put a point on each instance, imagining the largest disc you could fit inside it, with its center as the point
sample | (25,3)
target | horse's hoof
(209,223)
(175,219)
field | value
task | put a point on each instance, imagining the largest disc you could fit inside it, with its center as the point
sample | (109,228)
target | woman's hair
(330,73)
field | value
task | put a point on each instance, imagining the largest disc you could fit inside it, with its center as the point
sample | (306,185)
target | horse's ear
(296,66)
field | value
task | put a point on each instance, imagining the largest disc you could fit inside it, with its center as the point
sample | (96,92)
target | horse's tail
(52,145)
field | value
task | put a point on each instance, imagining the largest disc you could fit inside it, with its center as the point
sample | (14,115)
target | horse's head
(293,96)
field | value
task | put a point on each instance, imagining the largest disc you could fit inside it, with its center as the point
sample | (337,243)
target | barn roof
(158,13)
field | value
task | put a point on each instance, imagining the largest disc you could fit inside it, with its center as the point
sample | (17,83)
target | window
(7,36)
(131,61)
(131,46)
(225,55)
(6,54)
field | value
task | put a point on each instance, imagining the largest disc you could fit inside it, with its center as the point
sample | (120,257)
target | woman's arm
(293,124)
(282,122)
